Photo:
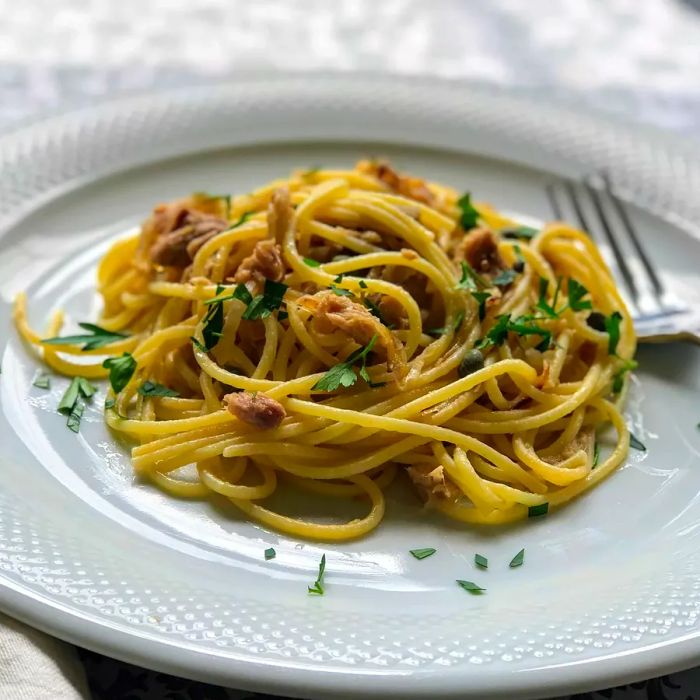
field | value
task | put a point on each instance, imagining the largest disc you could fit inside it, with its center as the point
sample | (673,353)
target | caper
(596,321)
(519,266)
(471,362)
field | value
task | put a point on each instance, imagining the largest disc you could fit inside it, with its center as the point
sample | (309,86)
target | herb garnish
(243,218)
(110,403)
(576,293)
(98,337)
(612,327)
(526,233)
(197,344)
(343,373)
(504,278)
(481,298)
(340,292)
(596,454)
(311,262)
(317,588)
(542,303)
(637,444)
(42,380)
(470,280)
(282,316)
(481,561)
(213,321)
(264,304)
(121,369)
(240,292)
(469,216)
(72,404)
(374,309)
(423,553)
(522,326)
(536,511)
(270,554)
(471,587)
(149,388)
(362,283)
(518,559)
(619,376)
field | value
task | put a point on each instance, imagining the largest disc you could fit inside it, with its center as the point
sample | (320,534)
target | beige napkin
(34,666)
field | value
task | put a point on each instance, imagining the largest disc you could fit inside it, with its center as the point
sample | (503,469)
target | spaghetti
(338,328)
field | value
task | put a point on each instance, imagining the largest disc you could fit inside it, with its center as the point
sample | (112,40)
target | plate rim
(129,646)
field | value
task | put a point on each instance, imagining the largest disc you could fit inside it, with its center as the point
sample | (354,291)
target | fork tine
(613,242)
(553,201)
(578,209)
(621,212)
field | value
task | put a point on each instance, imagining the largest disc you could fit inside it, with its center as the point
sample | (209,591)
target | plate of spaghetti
(342,398)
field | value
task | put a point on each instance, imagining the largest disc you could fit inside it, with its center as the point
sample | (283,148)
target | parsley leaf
(596,455)
(98,337)
(471,587)
(576,293)
(240,292)
(471,279)
(75,416)
(70,396)
(42,381)
(121,369)
(243,218)
(264,304)
(619,376)
(340,292)
(362,283)
(86,389)
(213,322)
(518,559)
(343,373)
(636,443)
(197,344)
(270,554)
(72,403)
(469,216)
(612,327)
(311,262)
(481,298)
(536,511)
(481,561)
(504,278)
(526,233)
(317,588)
(423,553)
(542,303)
(497,333)
(149,388)
(521,328)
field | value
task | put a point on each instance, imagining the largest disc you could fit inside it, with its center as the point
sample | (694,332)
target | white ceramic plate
(610,590)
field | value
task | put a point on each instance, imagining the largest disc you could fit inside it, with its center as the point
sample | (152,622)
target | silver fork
(659,315)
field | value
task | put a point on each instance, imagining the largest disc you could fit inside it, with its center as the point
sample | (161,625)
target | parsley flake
(471,587)
(42,380)
(317,588)
(481,298)
(72,402)
(526,233)
(538,510)
(121,369)
(340,292)
(70,396)
(149,388)
(612,327)
(423,553)
(636,443)
(619,376)
(518,559)
(98,337)
(75,416)
(362,283)
(481,561)
(576,293)
(311,262)
(343,373)
(596,455)
(470,280)
(270,554)
(264,304)
(504,278)
(240,292)
(469,216)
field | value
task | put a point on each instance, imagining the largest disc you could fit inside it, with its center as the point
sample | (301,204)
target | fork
(658,314)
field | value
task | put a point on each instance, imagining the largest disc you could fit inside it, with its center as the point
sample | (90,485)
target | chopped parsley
(374,309)
(456,325)
(504,278)
(596,454)
(72,402)
(213,322)
(343,373)
(576,293)
(499,332)
(197,344)
(110,403)
(362,283)
(471,587)
(423,553)
(42,380)
(264,304)
(536,511)
(542,303)
(311,262)
(317,588)
(496,334)
(97,337)
(243,218)
(518,559)
(619,376)
(340,292)
(470,280)
(270,554)
(526,233)
(149,388)
(240,292)
(282,315)
(481,298)
(339,278)
(612,327)
(636,443)
(469,216)
(121,369)
(481,561)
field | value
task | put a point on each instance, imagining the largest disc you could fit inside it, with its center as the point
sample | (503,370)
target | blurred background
(637,59)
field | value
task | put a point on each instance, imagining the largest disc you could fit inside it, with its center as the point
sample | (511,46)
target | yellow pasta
(339,329)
